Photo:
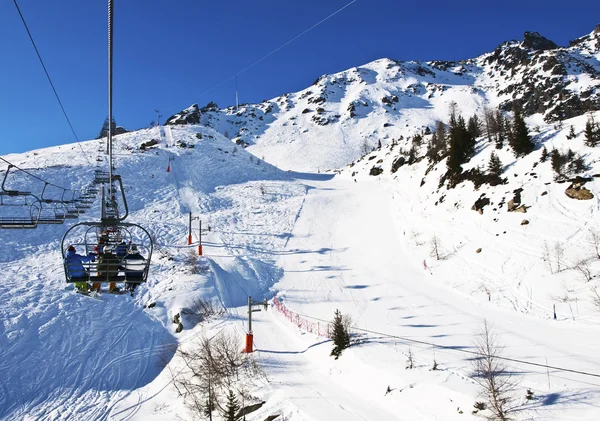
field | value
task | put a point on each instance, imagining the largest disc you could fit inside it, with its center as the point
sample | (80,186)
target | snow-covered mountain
(342,115)
(417,266)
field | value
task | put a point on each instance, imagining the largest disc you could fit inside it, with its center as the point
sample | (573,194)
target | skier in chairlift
(134,265)
(76,270)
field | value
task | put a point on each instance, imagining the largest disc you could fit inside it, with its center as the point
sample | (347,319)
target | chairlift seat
(18,223)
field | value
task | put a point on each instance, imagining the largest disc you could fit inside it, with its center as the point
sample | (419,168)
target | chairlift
(110,233)
(15,206)
(52,213)
(101,177)
(108,239)
(16,203)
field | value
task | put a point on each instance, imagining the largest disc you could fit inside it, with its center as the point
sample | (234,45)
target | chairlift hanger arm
(11,192)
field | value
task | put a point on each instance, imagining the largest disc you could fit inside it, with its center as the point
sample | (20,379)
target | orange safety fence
(318,328)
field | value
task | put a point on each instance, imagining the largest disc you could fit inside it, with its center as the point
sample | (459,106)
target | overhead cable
(49,79)
(466,351)
(34,176)
(276,49)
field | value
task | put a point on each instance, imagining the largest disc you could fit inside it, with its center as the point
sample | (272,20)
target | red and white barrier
(318,328)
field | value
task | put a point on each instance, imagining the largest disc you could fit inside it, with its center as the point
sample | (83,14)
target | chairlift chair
(108,234)
(14,209)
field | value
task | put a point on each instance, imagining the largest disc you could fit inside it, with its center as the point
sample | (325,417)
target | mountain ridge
(402,98)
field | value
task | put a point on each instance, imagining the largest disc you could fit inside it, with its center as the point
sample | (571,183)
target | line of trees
(456,141)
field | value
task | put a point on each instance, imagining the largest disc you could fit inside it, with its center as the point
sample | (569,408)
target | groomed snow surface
(320,242)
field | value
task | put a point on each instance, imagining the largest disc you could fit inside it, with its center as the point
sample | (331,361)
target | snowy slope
(320,242)
(340,239)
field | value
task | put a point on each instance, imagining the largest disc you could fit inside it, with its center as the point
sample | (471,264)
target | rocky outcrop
(550,95)
(375,171)
(535,41)
(480,204)
(577,191)
(398,163)
(190,115)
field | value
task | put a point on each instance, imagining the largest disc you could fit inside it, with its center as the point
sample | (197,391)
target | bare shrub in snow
(554,257)
(416,236)
(203,309)
(596,298)
(595,237)
(491,373)
(193,263)
(211,367)
(435,247)
(584,269)
(410,362)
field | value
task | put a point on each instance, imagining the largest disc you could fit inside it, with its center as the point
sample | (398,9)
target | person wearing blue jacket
(77,272)
(121,250)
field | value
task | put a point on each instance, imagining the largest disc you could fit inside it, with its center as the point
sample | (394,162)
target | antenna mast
(237,107)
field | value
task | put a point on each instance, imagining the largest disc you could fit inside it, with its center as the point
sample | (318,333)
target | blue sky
(168,54)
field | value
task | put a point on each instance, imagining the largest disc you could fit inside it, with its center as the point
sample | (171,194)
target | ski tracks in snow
(107,348)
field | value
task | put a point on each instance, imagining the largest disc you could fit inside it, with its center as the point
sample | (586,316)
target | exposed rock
(375,171)
(478,250)
(521,209)
(211,106)
(577,191)
(190,115)
(480,203)
(398,163)
(524,222)
(544,193)
(513,205)
(149,144)
(248,409)
(179,328)
(535,41)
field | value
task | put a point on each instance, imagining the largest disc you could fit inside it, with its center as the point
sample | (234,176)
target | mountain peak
(535,41)
(190,115)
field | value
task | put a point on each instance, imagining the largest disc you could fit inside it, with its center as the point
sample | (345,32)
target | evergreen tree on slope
(520,140)
(340,335)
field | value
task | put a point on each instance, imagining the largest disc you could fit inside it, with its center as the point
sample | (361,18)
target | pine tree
(340,335)
(544,156)
(474,126)
(232,407)
(500,129)
(495,167)
(592,132)
(520,141)
(571,134)
(462,144)
(432,149)
(104,130)
(557,161)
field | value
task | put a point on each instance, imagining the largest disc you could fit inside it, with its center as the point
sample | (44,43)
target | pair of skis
(96,294)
